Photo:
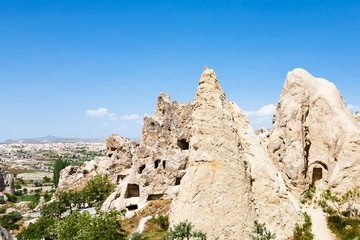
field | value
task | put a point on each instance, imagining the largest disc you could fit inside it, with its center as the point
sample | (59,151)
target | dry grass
(152,230)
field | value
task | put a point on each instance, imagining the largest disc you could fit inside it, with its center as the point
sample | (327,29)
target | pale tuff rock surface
(214,193)
(264,135)
(118,161)
(6,182)
(5,235)
(357,117)
(230,180)
(159,161)
(315,139)
(273,204)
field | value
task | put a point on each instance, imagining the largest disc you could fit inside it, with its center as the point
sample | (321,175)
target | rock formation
(116,164)
(6,182)
(5,235)
(230,180)
(264,135)
(315,139)
(220,175)
(357,117)
(159,162)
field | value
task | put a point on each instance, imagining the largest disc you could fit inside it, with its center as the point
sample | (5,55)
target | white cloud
(262,117)
(101,112)
(130,117)
(353,108)
(267,110)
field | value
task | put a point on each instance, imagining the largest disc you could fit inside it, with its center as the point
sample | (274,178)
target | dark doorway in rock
(164,164)
(120,178)
(177,181)
(183,144)
(132,191)
(154,197)
(132,207)
(141,169)
(317,175)
(157,162)
(110,155)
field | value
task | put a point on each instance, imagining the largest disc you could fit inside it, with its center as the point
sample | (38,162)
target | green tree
(37,230)
(84,226)
(98,189)
(58,166)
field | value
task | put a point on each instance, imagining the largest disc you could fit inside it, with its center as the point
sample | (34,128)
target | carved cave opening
(132,207)
(164,164)
(141,169)
(132,190)
(183,144)
(317,175)
(157,162)
(120,178)
(154,197)
(110,155)
(177,181)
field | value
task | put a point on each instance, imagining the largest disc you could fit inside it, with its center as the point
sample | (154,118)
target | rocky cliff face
(230,180)
(159,162)
(315,139)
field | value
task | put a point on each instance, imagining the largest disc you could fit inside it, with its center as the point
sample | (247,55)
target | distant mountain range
(53,139)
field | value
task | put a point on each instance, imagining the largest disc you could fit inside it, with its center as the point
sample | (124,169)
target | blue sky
(62,61)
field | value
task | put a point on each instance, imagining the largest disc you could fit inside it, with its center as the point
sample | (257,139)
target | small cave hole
(154,197)
(141,169)
(157,162)
(164,164)
(132,191)
(317,175)
(132,207)
(113,149)
(183,144)
(120,178)
(72,171)
(177,181)
(110,155)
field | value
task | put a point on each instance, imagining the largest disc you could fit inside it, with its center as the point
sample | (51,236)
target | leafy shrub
(12,198)
(37,183)
(17,186)
(18,193)
(85,171)
(162,221)
(304,232)
(2,210)
(261,233)
(135,236)
(344,228)
(37,230)
(84,226)
(9,220)
(46,179)
(183,231)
